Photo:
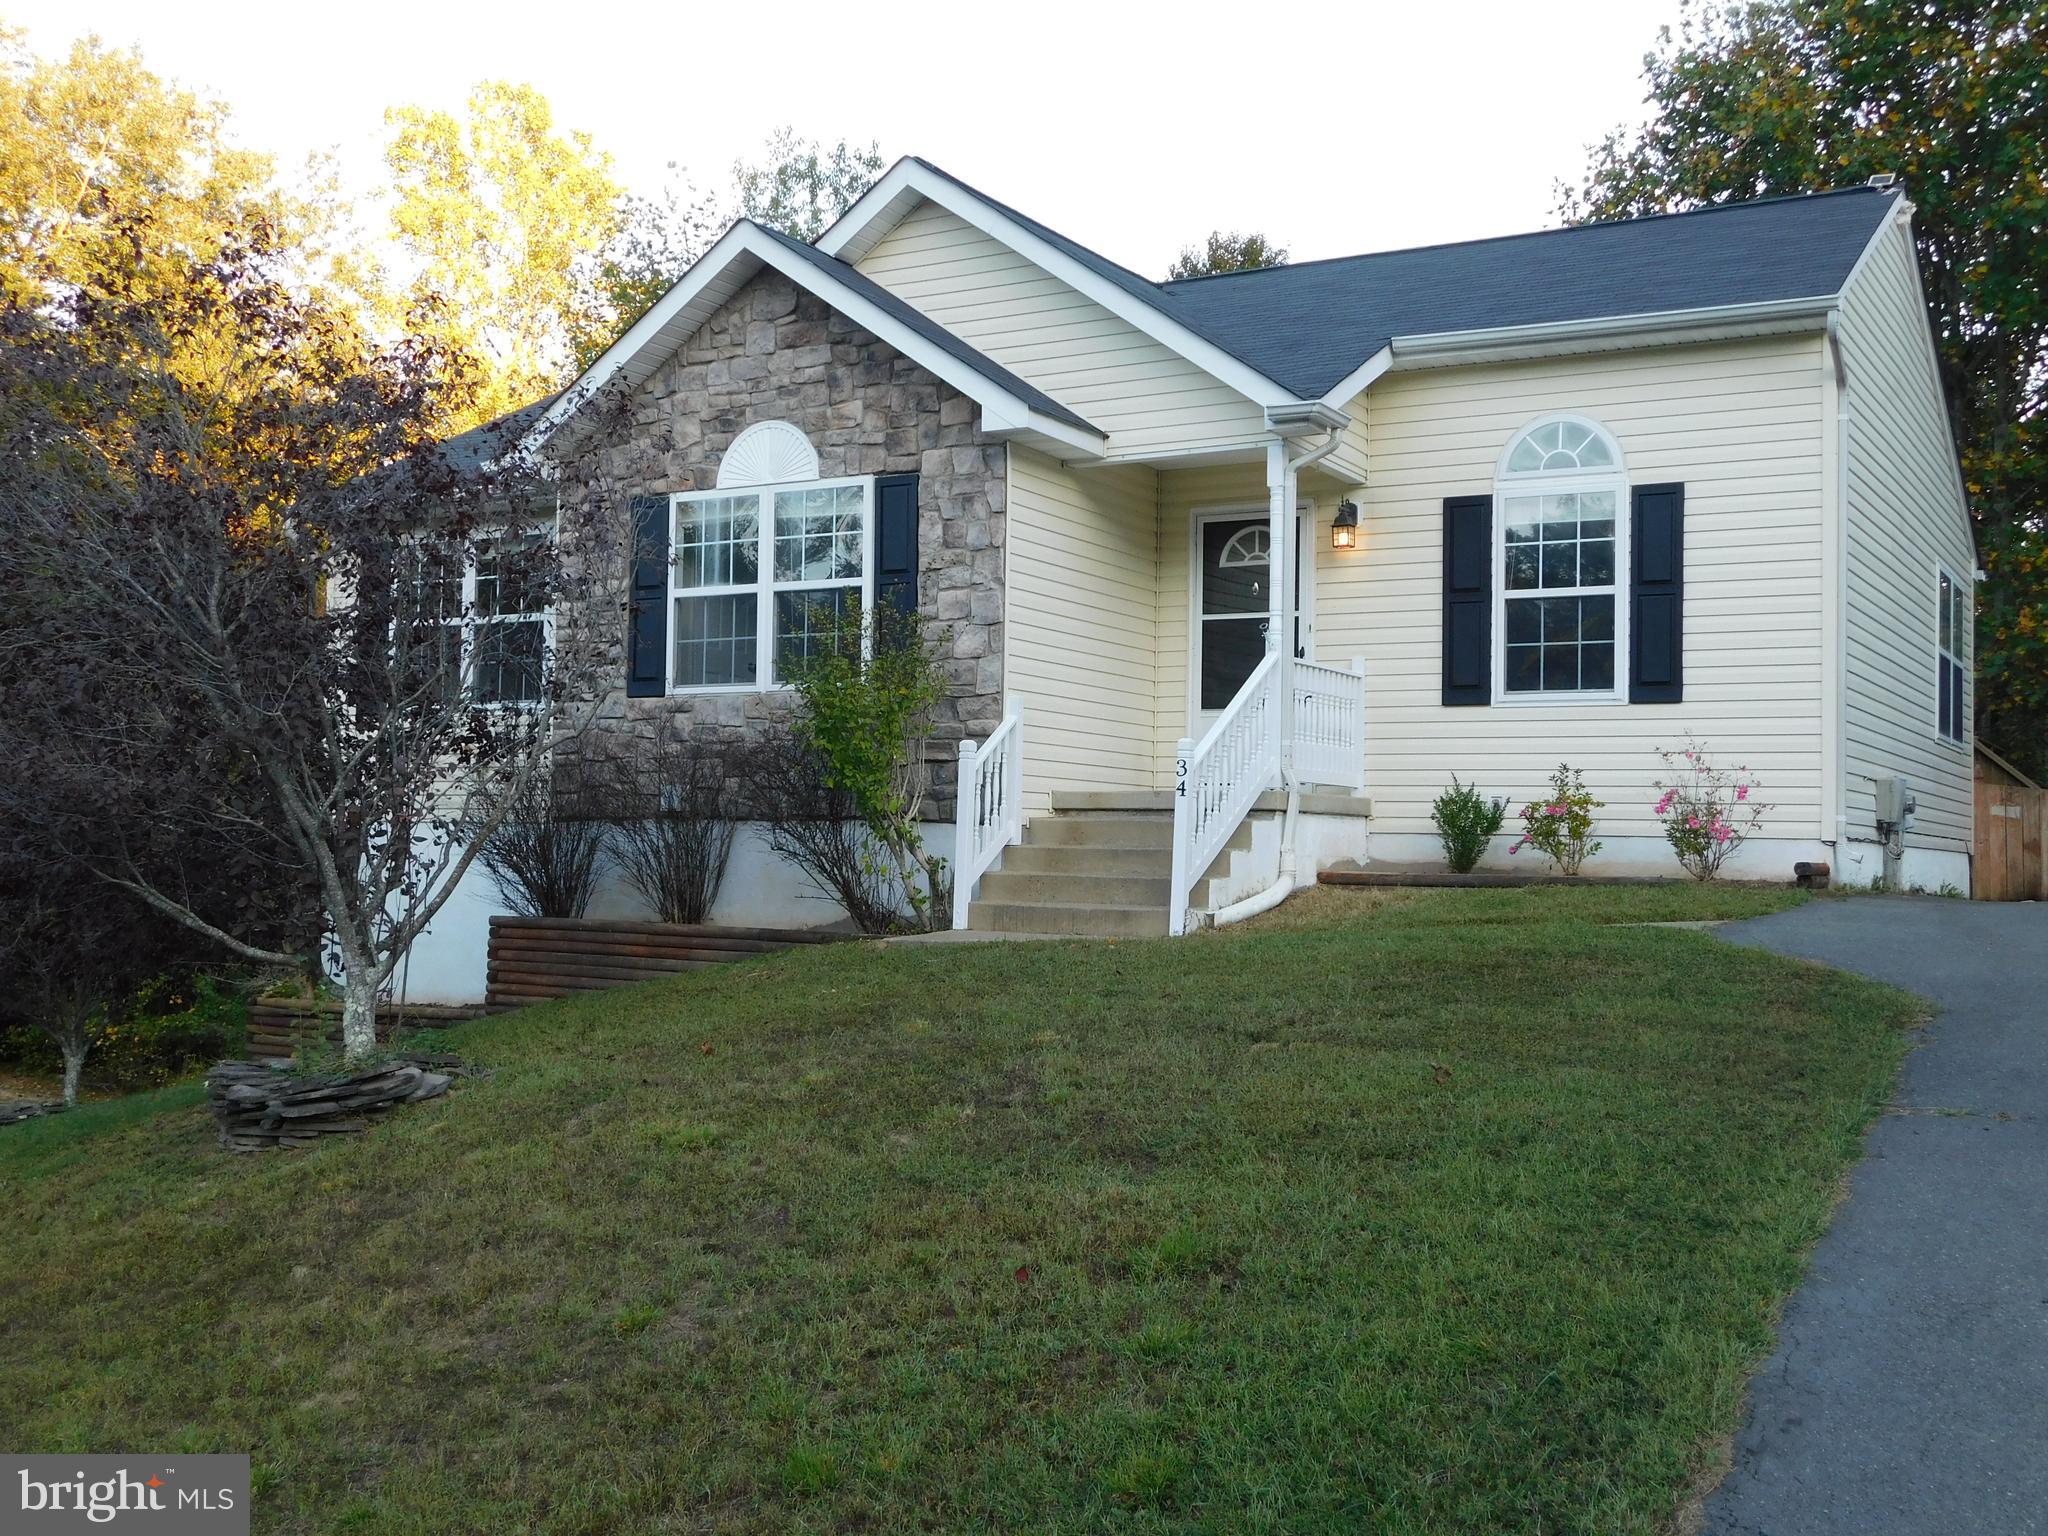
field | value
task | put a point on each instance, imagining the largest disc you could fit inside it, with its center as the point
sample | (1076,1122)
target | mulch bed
(1441,875)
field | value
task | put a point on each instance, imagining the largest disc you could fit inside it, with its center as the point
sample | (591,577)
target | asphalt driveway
(1909,1391)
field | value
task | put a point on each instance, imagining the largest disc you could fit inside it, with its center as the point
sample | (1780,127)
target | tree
(801,187)
(1222,252)
(111,176)
(508,221)
(657,240)
(1786,96)
(259,587)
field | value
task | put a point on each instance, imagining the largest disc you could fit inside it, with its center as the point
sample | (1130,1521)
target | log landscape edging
(535,959)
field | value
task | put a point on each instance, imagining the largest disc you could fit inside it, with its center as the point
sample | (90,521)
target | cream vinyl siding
(1081,641)
(1146,397)
(1740,425)
(1905,519)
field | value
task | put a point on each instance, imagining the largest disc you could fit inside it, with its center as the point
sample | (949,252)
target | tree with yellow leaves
(506,217)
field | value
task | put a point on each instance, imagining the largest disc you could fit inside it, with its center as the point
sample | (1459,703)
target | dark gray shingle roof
(928,328)
(471,450)
(1307,326)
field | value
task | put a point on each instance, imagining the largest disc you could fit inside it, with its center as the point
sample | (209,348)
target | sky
(1133,129)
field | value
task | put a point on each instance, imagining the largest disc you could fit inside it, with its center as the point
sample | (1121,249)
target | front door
(1233,567)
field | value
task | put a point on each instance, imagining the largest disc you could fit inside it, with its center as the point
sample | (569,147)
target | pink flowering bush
(1707,812)
(1560,825)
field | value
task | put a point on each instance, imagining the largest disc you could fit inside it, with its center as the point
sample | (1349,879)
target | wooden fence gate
(2012,859)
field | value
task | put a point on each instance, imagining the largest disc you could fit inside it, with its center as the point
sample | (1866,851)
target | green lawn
(1455,1211)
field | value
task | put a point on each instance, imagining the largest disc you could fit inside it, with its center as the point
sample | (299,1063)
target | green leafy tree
(1785,96)
(506,220)
(801,186)
(658,238)
(1232,252)
(116,181)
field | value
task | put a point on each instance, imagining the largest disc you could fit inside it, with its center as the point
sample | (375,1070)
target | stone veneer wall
(777,353)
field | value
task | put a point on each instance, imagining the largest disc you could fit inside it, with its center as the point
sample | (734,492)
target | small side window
(1952,623)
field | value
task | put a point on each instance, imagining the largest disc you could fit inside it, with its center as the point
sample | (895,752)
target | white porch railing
(1329,724)
(988,813)
(1216,780)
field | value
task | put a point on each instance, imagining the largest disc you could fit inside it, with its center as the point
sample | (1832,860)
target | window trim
(1561,482)
(1965,593)
(468,622)
(764,587)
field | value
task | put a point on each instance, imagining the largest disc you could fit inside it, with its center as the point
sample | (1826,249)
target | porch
(1155,721)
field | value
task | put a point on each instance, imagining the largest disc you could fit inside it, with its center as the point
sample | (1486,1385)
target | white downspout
(1283,887)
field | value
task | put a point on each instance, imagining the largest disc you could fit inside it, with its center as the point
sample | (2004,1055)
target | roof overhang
(1304,418)
(910,182)
(1605,333)
(742,254)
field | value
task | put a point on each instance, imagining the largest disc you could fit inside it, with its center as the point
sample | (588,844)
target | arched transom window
(1560,546)
(1248,546)
(766,570)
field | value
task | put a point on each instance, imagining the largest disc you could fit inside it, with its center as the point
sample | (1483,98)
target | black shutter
(1656,623)
(647,601)
(1468,599)
(896,542)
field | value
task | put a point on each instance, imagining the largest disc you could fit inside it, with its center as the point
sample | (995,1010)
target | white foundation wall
(1740,424)
(448,963)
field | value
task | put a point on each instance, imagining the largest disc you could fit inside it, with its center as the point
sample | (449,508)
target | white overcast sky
(1134,129)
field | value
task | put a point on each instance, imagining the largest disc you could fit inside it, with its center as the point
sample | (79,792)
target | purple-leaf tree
(224,521)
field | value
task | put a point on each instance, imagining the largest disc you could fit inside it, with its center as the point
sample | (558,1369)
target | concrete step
(1109,890)
(1070,801)
(1101,831)
(1094,921)
(1314,802)
(1075,859)
(1132,833)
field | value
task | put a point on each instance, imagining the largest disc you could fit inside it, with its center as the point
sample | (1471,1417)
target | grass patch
(1415,1211)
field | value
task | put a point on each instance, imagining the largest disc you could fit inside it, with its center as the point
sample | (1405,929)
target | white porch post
(1280,502)
(965,814)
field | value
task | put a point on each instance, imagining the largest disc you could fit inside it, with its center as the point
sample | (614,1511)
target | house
(1564,496)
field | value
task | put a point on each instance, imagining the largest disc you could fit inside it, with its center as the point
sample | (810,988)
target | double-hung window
(1561,544)
(478,619)
(763,578)
(1951,648)
(508,629)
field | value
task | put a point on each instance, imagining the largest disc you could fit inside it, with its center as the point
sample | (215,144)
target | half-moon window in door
(1248,546)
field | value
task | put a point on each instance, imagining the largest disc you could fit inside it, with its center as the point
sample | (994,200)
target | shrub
(1465,821)
(817,828)
(172,1026)
(867,705)
(1560,825)
(543,857)
(1707,812)
(673,823)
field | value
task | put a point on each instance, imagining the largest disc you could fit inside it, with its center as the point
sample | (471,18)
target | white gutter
(1453,346)
(1284,885)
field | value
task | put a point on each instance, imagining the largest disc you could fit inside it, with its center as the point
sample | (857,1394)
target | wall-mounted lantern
(1344,531)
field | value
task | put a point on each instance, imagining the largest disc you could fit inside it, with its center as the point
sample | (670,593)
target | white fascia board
(908,182)
(1516,341)
(748,248)
(1347,388)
